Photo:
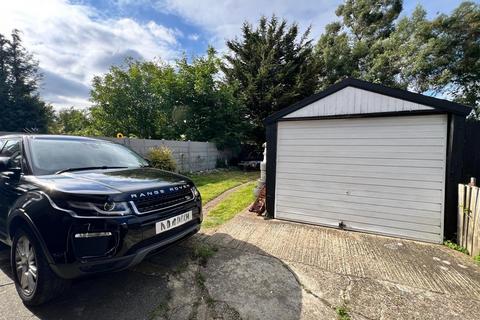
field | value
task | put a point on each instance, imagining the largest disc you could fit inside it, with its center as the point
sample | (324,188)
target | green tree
(369,20)
(213,113)
(187,100)
(270,67)
(135,99)
(440,56)
(22,108)
(456,55)
(4,83)
(349,47)
(72,121)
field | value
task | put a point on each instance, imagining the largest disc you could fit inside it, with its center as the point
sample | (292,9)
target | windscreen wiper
(87,168)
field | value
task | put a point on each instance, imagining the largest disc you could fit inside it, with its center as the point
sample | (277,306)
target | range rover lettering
(73,206)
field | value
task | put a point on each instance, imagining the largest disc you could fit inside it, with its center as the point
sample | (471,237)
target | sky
(74,40)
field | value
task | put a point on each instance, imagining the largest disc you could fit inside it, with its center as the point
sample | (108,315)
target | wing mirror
(4,164)
(7,169)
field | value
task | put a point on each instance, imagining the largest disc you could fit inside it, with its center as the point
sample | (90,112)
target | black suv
(73,206)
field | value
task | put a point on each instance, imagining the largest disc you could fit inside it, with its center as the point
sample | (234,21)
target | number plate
(173,222)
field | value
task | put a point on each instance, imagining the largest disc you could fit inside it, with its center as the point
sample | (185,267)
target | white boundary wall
(189,155)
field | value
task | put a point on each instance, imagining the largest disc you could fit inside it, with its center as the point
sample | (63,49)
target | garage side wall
(271,168)
(454,175)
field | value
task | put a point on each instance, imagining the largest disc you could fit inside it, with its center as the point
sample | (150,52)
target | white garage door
(382,175)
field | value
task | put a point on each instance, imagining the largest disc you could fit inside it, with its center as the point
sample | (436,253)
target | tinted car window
(51,155)
(2,142)
(11,148)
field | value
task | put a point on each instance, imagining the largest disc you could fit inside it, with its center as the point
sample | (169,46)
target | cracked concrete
(273,270)
(375,277)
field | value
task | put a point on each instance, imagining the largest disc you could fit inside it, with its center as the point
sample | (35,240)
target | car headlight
(195,192)
(107,208)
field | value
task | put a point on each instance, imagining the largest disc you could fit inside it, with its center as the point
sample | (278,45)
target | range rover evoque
(74,206)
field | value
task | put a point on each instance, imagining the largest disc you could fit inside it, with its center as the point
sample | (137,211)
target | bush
(162,158)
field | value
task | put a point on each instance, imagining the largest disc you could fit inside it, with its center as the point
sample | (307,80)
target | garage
(361,156)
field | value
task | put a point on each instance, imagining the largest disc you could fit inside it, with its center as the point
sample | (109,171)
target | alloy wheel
(26,265)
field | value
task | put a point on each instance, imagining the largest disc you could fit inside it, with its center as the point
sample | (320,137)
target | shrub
(162,158)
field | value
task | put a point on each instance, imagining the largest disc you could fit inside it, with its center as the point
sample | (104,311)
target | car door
(12,148)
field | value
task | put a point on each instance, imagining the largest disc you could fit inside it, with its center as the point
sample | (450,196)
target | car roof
(51,137)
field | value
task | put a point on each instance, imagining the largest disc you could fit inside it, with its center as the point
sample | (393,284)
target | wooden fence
(468,227)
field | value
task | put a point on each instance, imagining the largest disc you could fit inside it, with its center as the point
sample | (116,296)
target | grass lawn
(212,185)
(230,206)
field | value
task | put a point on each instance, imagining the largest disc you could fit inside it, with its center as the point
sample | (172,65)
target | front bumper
(130,240)
(79,269)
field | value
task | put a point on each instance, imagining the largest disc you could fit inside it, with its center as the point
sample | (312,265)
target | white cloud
(75,42)
(223,19)
(194,36)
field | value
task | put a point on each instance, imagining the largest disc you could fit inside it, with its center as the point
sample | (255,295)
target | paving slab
(250,284)
(271,269)
(131,294)
(373,277)
(415,264)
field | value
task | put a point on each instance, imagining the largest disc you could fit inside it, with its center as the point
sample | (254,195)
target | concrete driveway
(269,269)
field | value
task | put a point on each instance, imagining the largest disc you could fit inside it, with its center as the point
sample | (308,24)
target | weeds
(342,313)
(160,311)
(203,253)
(454,246)
(200,278)
(181,268)
(210,301)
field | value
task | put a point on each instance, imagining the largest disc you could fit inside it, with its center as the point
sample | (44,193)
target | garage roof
(438,104)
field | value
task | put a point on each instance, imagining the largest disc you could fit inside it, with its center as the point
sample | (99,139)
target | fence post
(461,212)
(207,167)
(476,231)
(473,182)
(471,219)
(466,212)
(189,157)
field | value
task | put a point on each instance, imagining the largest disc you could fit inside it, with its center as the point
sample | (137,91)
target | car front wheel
(34,279)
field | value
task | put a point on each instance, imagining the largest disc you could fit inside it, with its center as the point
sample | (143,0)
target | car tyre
(35,281)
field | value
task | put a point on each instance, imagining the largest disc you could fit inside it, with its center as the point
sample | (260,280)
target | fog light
(93,234)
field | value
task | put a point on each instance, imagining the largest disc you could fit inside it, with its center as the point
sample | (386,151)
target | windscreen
(50,156)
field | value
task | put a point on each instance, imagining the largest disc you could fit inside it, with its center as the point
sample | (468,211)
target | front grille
(163,236)
(163,201)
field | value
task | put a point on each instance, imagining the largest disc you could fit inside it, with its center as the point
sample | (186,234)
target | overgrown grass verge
(230,206)
(454,246)
(211,185)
